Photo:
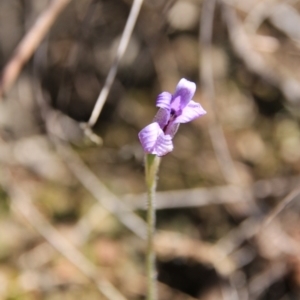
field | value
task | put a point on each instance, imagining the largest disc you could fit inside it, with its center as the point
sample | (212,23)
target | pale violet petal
(148,136)
(163,100)
(192,111)
(162,117)
(154,140)
(163,145)
(185,90)
(172,129)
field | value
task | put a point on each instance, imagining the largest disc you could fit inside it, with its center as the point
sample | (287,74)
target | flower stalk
(151,169)
(157,140)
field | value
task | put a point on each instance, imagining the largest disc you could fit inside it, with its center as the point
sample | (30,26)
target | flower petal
(185,90)
(192,111)
(148,136)
(163,145)
(172,129)
(163,100)
(154,140)
(162,117)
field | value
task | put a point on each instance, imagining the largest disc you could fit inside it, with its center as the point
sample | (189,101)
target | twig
(281,206)
(29,43)
(194,197)
(87,178)
(72,64)
(257,14)
(133,15)
(242,45)
(260,282)
(253,225)
(22,203)
(107,199)
(197,197)
(289,86)
(245,230)
(215,129)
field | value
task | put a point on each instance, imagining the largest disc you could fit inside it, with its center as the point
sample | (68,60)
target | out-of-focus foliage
(219,249)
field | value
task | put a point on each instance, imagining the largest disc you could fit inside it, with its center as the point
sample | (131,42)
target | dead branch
(197,197)
(22,203)
(194,197)
(29,44)
(206,73)
(289,86)
(294,194)
(107,199)
(133,15)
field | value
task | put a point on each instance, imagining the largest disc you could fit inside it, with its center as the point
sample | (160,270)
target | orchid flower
(156,138)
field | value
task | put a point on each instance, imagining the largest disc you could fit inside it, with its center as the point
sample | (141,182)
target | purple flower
(156,138)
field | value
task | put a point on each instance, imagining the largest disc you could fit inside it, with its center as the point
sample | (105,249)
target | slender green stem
(151,169)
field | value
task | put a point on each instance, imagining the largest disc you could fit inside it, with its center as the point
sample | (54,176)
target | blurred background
(72,204)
